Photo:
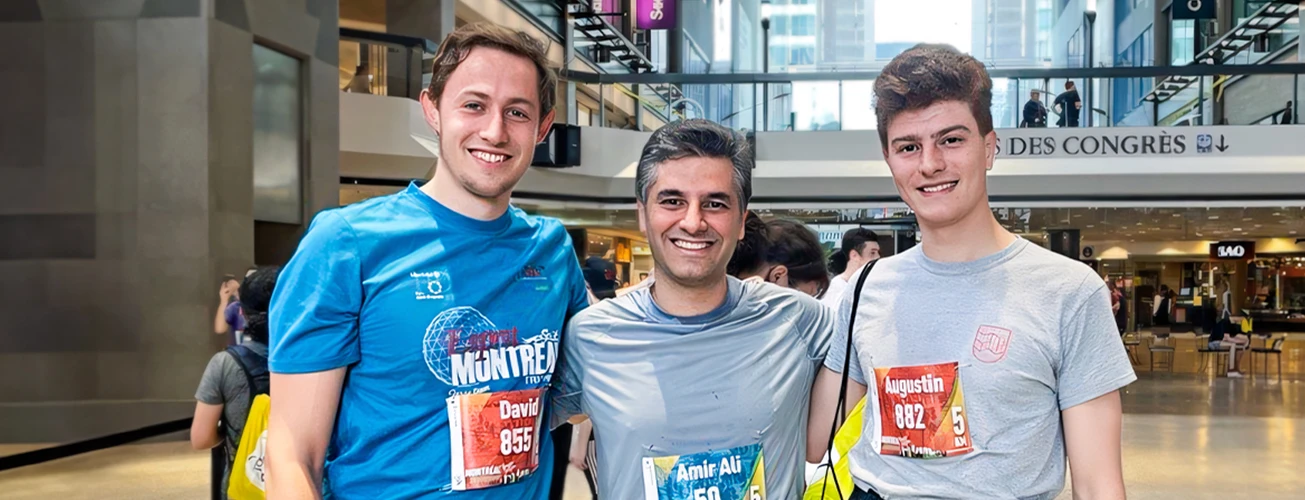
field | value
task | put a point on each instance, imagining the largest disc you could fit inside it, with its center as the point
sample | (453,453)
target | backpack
(247,470)
(835,482)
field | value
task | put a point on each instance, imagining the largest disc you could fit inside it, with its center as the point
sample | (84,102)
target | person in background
(1226,333)
(749,255)
(1288,115)
(600,274)
(400,316)
(643,277)
(859,247)
(224,394)
(792,257)
(1068,104)
(1116,303)
(1035,113)
(361,83)
(230,319)
(1161,306)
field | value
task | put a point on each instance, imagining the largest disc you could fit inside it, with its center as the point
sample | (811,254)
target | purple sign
(655,14)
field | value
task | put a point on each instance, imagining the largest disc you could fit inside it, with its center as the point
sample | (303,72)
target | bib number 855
(515,441)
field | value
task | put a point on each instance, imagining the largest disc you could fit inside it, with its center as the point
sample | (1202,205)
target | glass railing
(384,64)
(1101,97)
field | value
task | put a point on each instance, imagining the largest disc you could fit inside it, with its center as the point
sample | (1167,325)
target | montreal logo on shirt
(462,348)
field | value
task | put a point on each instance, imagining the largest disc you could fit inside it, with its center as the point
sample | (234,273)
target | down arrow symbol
(1222,146)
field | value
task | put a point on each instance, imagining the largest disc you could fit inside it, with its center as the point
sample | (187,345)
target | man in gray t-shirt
(697,385)
(986,361)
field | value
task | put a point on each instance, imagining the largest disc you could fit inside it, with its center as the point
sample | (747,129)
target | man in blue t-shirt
(413,336)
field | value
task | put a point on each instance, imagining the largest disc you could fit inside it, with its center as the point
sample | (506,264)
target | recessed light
(1258,225)
(1247,219)
(1291,232)
(1090,226)
(1275,214)
(1214,217)
(1237,229)
(1178,215)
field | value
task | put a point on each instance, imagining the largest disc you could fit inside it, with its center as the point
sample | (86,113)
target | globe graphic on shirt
(465,322)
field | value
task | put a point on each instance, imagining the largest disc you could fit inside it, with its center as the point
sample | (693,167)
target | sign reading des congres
(1147,141)
(1232,250)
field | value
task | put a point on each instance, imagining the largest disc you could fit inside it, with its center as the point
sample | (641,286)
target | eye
(474,106)
(516,113)
(953,140)
(715,205)
(672,202)
(909,148)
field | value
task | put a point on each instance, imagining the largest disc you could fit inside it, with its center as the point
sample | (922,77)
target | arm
(204,428)
(1092,441)
(580,442)
(299,429)
(824,397)
(220,326)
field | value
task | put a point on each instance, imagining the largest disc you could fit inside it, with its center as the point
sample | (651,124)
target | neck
(976,236)
(852,268)
(679,300)
(448,192)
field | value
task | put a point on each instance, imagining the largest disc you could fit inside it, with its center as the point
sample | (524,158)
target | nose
(693,222)
(495,131)
(932,160)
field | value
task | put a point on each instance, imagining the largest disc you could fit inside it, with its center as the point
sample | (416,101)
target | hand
(229,289)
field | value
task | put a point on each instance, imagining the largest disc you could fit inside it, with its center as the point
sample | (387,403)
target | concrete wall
(1254,97)
(127,193)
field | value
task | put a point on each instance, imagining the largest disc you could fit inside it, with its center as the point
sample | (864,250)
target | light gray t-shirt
(224,383)
(721,385)
(834,295)
(1031,333)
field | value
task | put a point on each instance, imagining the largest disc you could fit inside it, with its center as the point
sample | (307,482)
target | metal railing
(842,100)
(384,64)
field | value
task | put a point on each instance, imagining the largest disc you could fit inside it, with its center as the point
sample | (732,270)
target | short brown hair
(931,73)
(458,45)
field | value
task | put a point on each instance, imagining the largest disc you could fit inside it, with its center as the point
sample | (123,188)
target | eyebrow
(485,97)
(940,133)
(675,193)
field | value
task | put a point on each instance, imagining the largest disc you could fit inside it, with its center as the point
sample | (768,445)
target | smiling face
(940,161)
(693,218)
(488,120)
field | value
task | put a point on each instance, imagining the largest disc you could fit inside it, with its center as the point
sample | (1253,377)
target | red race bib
(494,437)
(922,411)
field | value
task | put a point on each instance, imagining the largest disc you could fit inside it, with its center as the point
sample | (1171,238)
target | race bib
(494,437)
(922,411)
(733,474)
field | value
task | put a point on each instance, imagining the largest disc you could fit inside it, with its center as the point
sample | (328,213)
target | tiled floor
(1184,437)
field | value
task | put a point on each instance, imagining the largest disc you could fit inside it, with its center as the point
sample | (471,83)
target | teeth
(690,246)
(939,188)
(489,157)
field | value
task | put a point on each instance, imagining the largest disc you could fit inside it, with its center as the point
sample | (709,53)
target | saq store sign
(1232,250)
(1089,142)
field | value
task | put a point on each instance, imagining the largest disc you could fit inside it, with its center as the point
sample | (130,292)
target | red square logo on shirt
(990,343)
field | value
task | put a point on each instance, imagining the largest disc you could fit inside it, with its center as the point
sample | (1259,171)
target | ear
(743,228)
(430,110)
(544,125)
(990,149)
(777,273)
(643,227)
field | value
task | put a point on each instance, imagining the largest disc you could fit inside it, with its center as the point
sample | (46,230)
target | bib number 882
(516,441)
(909,416)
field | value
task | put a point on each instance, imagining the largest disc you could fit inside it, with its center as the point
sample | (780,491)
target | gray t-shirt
(224,383)
(1031,334)
(722,385)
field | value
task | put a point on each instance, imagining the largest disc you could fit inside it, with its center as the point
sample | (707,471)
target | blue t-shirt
(428,308)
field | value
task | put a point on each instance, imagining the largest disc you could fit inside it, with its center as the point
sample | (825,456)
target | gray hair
(696,138)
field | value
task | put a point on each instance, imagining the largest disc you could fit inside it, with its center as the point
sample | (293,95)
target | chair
(1206,352)
(1160,345)
(1276,350)
(1130,343)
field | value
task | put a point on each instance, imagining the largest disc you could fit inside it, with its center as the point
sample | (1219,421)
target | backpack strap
(254,366)
(842,386)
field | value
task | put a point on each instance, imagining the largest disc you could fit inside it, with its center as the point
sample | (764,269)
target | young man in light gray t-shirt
(986,361)
(697,385)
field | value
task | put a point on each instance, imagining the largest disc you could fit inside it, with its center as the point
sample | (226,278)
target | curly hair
(931,73)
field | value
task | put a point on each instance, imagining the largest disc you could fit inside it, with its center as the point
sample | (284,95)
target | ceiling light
(1214,217)
(1090,226)
(1247,219)
(1237,229)
(1291,232)
(1275,214)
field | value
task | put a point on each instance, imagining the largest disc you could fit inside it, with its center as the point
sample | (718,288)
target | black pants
(561,459)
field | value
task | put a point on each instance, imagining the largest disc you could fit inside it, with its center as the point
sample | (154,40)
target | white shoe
(1235,375)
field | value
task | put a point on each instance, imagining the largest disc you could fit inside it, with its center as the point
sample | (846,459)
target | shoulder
(775,296)
(1049,274)
(603,312)
(362,218)
(546,229)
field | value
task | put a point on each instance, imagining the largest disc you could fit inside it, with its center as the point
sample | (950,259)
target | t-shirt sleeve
(232,315)
(838,341)
(315,308)
(817,326)
(580,297)
(210,384)
(567,385)
(1093,361)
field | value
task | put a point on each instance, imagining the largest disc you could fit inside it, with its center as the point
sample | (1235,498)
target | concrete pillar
(429,19)
(128,191)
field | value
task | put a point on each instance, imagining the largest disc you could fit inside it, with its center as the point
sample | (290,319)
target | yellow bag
(847,436)
(1247,326)
(247,471)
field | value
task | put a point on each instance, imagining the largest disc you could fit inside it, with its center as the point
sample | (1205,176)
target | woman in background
(860,247)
